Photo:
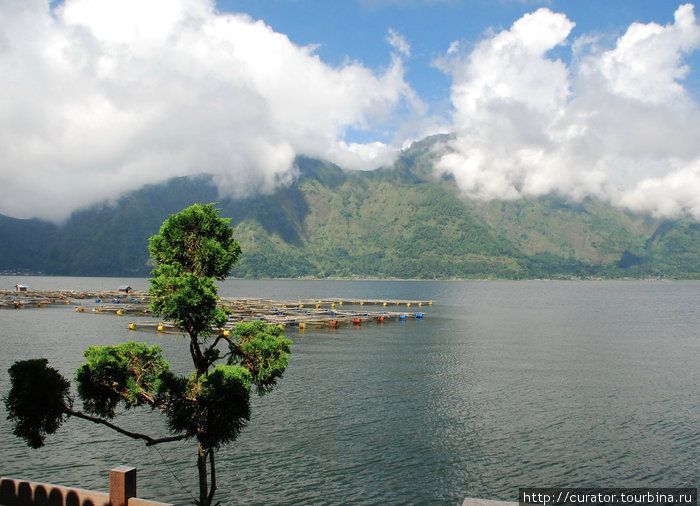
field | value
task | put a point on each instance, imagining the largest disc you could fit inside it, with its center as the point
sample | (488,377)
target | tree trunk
(205,495)
(203,478)
(212,471)
(200,363)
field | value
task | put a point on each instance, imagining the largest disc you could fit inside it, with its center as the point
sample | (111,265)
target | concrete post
(122,485)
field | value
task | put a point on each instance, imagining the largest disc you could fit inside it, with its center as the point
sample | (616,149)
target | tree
(210,406)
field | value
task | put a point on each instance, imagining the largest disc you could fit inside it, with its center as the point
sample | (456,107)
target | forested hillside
(398,222)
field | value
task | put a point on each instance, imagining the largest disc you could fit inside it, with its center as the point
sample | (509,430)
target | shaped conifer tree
(210,406)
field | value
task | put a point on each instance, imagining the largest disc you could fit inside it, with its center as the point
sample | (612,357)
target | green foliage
(263,350)
(194,247)
(129,373)
(270,255)
(215,405)
(672,250)
(188,300)
(198,240)
(37,401)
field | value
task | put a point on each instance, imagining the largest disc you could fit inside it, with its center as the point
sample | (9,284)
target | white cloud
(671,195)
(617,123)
(357,156)
(398,42)
(646,63)
(98,97)
(102,96)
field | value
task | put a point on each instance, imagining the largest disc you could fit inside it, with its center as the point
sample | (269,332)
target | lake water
(502,385)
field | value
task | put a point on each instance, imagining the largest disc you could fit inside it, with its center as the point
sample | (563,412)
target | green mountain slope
(366,225)
(104,240)
(398,222)
(23,243)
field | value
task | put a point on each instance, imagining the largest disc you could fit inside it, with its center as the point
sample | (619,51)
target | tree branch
(226,355)
(219,338)
(150,441)
(222,337)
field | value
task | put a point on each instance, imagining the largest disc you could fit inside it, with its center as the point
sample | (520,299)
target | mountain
(396,222)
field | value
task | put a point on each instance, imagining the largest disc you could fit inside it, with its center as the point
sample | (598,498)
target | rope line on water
(154,447)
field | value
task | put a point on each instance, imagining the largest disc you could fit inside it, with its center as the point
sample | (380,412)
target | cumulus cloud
(616,123)
(99,97)
(102,96)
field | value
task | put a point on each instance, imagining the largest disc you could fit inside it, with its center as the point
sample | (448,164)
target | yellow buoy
(226,332)
(302,325)
(430,303)
(79,309)
(420,304)
(161,328)
(333,306)
(132,326)
(341,302)
(120,312)
(362,303)
(384,304)
(408,304)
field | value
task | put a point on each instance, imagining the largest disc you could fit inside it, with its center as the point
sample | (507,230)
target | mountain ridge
(401,221)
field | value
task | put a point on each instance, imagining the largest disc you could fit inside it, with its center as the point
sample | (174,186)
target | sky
(595,98)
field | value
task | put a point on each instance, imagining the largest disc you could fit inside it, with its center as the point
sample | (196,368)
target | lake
(502,385)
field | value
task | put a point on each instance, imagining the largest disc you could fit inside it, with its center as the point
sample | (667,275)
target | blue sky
(357,29)
(578,98)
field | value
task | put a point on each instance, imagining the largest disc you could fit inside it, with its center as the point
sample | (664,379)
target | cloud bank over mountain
(616,123)
(102,96)
(99,97)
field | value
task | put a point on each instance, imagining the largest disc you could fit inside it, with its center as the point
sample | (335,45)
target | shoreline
(366,278)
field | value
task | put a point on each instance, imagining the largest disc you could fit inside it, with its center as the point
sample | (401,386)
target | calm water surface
(502,385)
